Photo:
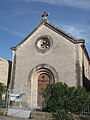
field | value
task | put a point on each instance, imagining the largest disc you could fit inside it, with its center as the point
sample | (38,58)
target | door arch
(38,79)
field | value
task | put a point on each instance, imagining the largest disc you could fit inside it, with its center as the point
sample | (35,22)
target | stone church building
(47,55)
(5,71)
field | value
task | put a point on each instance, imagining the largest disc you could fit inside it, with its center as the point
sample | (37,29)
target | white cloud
(74,3)
(78,31)
(19,11)
(11,31)
(73,30)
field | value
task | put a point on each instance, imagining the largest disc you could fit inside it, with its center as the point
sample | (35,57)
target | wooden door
(43,81)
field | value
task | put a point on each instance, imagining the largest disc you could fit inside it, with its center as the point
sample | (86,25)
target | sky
(20,17)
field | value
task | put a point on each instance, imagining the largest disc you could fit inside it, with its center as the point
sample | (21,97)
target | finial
(44,16)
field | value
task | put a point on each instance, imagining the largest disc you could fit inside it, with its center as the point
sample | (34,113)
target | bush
(62,115)
(62,100)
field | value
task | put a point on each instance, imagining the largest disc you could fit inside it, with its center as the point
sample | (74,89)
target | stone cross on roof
(44,16)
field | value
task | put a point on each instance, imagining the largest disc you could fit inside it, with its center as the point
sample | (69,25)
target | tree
(62,100)
(2,90)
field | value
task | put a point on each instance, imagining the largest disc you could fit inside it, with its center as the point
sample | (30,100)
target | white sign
(15,97)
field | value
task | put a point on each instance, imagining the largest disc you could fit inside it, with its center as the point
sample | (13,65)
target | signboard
(15,97)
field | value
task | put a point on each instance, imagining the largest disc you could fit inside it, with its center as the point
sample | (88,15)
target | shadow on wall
(9,73)
(86,83)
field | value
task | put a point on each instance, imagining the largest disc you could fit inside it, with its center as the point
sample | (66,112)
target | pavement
(12,118)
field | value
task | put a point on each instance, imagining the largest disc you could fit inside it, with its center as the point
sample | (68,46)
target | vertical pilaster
(78,69)
(13,69)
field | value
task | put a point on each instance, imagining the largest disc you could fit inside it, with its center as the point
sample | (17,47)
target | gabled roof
(52,27)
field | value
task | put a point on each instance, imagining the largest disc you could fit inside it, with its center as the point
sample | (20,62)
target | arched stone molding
(43,66)
(33,80)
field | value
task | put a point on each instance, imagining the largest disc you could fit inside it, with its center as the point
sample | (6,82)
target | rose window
(43,44)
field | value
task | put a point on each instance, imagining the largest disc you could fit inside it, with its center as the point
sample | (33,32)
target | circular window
(43,44)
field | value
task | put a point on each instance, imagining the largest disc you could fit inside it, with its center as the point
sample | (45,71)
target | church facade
(47,55)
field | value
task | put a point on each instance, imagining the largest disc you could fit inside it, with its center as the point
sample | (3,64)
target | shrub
(62,100)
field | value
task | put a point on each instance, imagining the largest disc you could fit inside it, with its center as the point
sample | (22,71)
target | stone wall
(4,70)
(48,116)
(41,116)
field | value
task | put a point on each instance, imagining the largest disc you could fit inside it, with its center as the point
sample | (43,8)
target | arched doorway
(39,78)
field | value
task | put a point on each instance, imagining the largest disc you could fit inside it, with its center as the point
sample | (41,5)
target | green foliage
(62,115)
(77,100)
(55,96)
(61,100)
(2,89)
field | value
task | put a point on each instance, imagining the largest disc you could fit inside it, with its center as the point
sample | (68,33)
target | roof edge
(64,34)
(52,27)
(17,46)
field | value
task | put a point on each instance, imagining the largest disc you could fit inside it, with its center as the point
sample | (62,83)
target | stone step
(17,112)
